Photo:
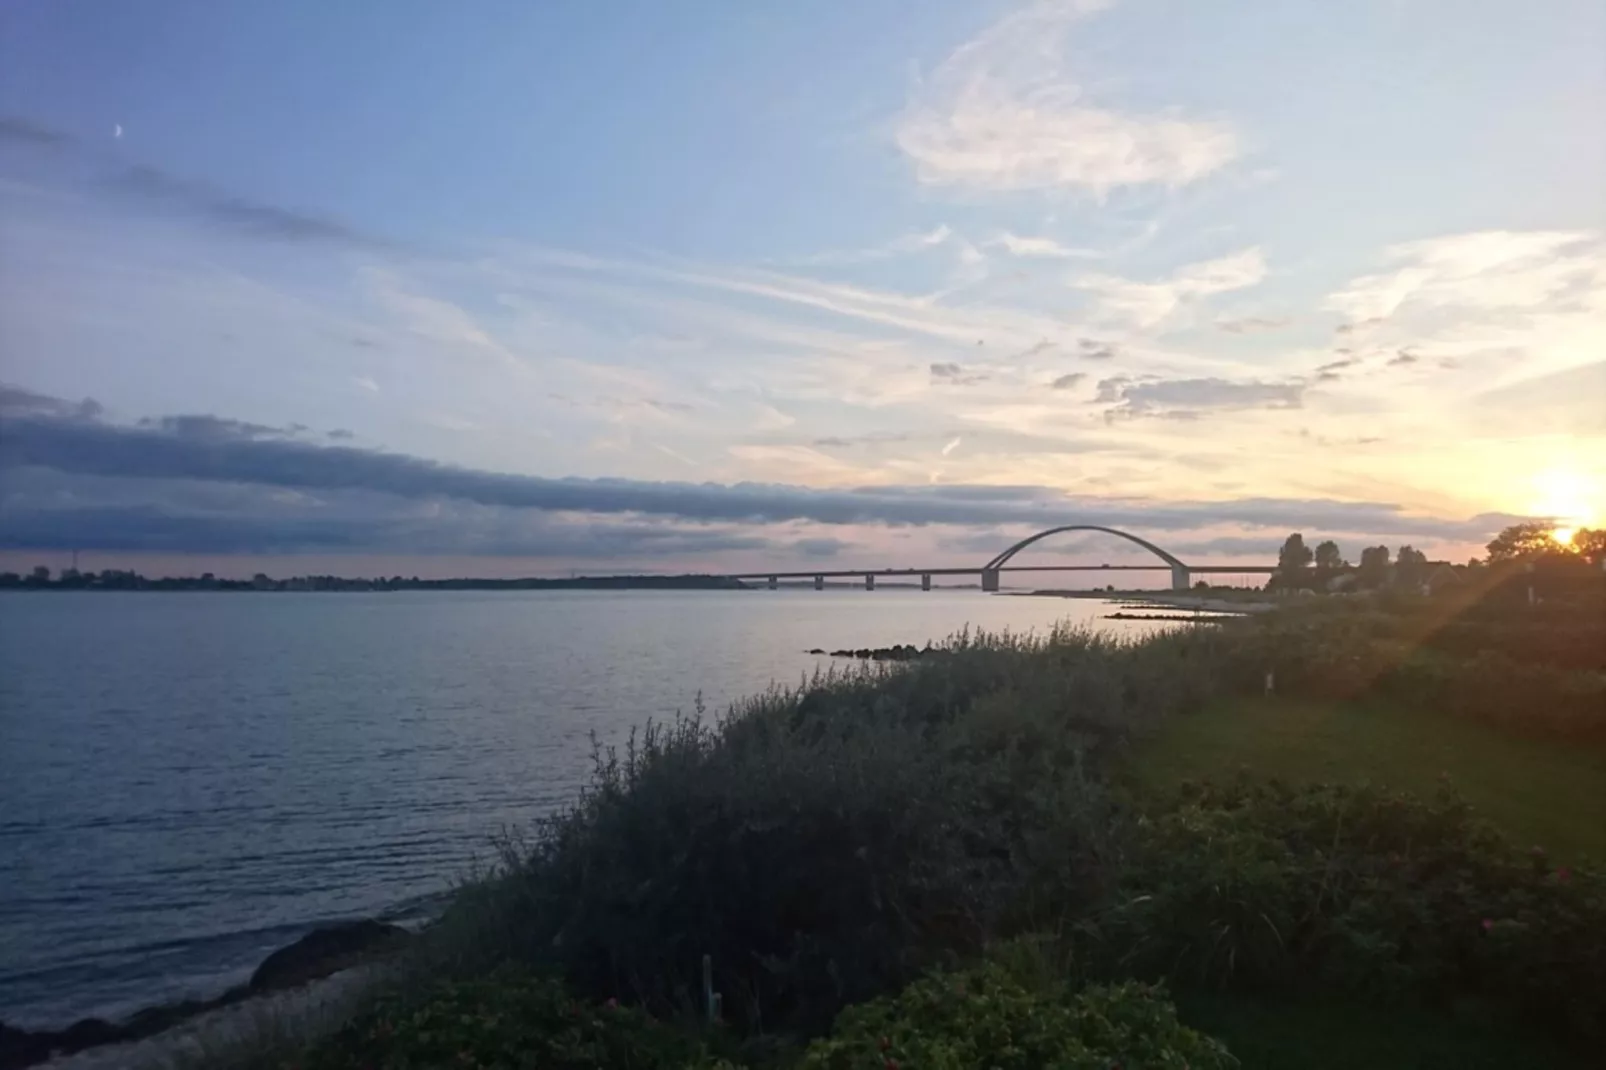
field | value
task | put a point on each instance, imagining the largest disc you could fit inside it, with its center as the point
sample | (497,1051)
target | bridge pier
(989,579)
(775,581)
(925,581)
(869,581)
(819,583)
(1180,578)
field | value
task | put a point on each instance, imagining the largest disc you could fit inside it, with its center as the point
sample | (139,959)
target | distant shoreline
(116,581)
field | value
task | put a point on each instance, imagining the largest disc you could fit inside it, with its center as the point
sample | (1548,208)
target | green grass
(1536,791)
(1329,1033)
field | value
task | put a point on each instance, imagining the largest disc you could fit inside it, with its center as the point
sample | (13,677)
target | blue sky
(1218,270)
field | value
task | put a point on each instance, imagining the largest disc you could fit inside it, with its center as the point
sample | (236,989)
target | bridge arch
(1179,570)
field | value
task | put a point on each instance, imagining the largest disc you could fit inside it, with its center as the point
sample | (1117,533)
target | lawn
(1268,1033)
(1537,792)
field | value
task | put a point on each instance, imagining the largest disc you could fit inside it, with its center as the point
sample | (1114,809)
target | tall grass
(825,844)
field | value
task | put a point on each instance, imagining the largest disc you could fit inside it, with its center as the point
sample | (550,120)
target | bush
(825,847)
(1361,889)
(507,1021)
(985,1017)
(1341,653)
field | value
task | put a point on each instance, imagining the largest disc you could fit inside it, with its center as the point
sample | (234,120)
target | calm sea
(188,781)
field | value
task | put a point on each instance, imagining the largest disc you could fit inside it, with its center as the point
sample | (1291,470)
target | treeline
(123,580)
(1559,554)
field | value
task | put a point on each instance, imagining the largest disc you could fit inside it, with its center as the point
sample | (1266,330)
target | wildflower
(1563,874)
(1488,923)
(612,1004)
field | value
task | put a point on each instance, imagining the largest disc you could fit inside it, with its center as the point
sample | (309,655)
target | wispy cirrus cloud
(1147,305)
(1040,247)
(1006,111)
(158,187)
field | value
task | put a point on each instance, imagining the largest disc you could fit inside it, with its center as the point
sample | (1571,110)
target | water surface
(189,780)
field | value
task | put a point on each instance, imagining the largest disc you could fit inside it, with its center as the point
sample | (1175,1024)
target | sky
(503,288)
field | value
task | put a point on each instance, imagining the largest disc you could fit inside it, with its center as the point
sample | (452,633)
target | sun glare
(1564,535)
(1567,496)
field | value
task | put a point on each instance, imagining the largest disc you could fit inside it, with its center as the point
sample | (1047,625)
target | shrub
(984,1017)
(507,1020)
(826,846)
(1359,888)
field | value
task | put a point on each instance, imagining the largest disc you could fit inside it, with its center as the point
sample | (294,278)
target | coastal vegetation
(1276,841)
(1023,848)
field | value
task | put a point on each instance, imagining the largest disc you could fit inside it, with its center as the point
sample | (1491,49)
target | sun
(1568,497)
(1564,535)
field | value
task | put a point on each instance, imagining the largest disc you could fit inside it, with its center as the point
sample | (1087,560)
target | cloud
(1093,349)
(1005,112)
(873,438)
(1066,382)
(820,547)
(1188,398)
(1484,270)
(904,244)
(1147,305)
(1402,358)
(222,207)
(365,383)
(952,445)
(1018,245)
(1564,402)
(149,481)
(22,131)
(951,374)
(1253,324)
(16,402)
(216,429)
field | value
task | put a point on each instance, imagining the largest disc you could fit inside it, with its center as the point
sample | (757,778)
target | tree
(1590,545)
(1410,566)
(1327,556)
(40,575)
(1294,555)
(1374,566)
(1523,540)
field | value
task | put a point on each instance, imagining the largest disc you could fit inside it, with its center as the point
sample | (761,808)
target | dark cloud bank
(69,477)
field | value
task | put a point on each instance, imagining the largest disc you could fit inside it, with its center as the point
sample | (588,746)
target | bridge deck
(809,574)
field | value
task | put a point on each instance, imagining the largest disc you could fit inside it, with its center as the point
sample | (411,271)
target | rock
(22,1047)
(816,650)
(324,951)
(318,954)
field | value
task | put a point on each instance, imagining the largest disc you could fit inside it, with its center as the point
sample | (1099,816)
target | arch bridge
(1181,573)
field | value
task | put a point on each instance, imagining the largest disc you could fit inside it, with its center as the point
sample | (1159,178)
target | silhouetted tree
(1410,566)
(1294,556)
(1374,566)
(1328,557)
(1590,545)
(1523,540)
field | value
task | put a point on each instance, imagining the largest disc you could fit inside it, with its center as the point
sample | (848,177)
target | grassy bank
(1534,790)
(952,863)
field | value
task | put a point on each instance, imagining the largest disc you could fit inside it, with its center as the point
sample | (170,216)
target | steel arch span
(1179,570)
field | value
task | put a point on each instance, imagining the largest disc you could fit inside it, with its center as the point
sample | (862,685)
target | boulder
(324,951)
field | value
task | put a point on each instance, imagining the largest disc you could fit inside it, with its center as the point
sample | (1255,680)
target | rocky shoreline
(903,652)
(320,953)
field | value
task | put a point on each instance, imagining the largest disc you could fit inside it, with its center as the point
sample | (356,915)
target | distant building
(1440,575)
